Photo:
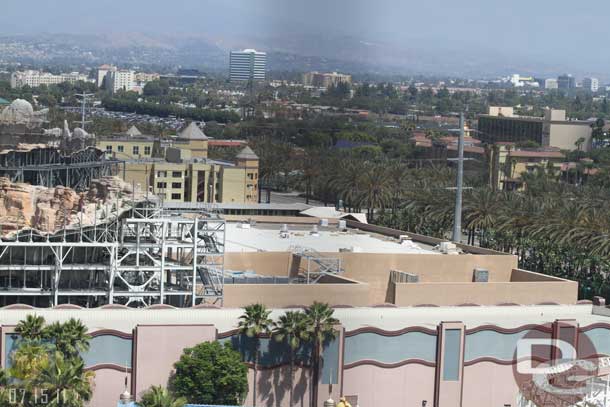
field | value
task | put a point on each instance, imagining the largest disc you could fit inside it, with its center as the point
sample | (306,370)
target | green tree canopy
(211,373)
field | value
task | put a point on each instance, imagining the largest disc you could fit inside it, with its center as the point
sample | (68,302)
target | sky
(570,34)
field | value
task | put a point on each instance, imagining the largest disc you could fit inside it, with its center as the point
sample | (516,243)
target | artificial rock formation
(48,210)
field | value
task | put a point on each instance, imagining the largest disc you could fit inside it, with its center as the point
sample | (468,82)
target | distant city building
(325,80)
(247,65)
(120,79)
(591,84)
(36,78)
(566,81)
(551,84)
(101,73)
(552,130)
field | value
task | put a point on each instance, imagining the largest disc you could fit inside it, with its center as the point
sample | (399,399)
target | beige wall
(564,136)
(286,295)
(525,293)
(233,186)
(128,146)
(138,173)
(374,268)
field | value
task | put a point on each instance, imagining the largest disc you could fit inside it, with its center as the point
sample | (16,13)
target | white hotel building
(37,78)
(247,65)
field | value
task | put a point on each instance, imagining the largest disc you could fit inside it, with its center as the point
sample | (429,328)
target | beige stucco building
(178,168)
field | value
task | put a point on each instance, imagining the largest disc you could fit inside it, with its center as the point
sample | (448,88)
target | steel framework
(49,168)
(137,256)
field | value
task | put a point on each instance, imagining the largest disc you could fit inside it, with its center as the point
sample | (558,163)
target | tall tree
(321,327)
(292,329)
(254,323)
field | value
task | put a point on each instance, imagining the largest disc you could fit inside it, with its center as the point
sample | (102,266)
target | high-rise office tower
(566,82)
(247,65)
(591,84)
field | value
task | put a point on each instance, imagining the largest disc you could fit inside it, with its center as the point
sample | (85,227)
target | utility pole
(457,216)
(84,97)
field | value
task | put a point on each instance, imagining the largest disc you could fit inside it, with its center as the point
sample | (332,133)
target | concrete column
(449,365)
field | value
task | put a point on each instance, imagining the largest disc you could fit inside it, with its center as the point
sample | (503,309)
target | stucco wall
(374,269)
(524,293)
(565,135)
(158,347)
(406,385)
(285,295)
(109,384)
(489,384)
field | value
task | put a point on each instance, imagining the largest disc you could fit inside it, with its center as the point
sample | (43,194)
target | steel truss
(47,167)
(137,256)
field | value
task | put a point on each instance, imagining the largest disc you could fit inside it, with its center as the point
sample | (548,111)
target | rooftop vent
(314,231)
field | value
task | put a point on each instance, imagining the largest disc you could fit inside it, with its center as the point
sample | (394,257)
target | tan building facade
(178,169)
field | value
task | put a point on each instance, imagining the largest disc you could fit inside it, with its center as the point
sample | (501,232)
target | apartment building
(515,162)
(325,80)
(34,79)
(120,79)
(178,168)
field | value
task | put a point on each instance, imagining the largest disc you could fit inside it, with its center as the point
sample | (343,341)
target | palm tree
(376,189)
(66,382)
(158,396)
(31,328)
(70,338)
(321,327)
(292,329)
(253,323)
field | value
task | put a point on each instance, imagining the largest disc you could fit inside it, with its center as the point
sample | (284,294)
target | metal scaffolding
(137,256)
(49,168)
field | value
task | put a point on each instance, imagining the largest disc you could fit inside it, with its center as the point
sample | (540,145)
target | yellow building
(513,163)
(132,145)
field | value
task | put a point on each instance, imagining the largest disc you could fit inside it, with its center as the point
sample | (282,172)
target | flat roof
(390,319)
(266,237)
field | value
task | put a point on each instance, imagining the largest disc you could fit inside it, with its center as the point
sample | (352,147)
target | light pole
(457,216)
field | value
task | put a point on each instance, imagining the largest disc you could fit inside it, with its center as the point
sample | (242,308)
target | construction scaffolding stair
(317,265)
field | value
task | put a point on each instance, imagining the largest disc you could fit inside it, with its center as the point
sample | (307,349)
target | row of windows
(163,185)
(134,150)
(163,174)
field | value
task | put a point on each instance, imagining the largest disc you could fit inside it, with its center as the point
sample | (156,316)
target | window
(120,149)
(176,174)
(176,196)
(135,150)
(109,149)
(176,184)
(161,174)
(146,150)
(451,365)
(161,185)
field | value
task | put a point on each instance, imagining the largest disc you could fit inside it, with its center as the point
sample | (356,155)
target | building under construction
(135,255)
(48,167)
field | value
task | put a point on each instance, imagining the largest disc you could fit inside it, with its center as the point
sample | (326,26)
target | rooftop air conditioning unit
(244,225)
(324,223)
(314,231)
(403,238)
(481,275)
(284,234)
(448,248)
(343,225)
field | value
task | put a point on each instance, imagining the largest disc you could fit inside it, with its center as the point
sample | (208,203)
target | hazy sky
(570,33)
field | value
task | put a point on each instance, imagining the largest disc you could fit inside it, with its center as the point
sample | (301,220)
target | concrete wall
(108,384)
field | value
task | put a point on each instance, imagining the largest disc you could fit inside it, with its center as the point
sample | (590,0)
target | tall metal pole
(457,216)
